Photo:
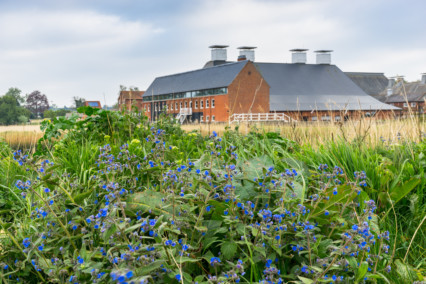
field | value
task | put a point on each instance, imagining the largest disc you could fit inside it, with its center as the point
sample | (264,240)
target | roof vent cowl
(423,81)
(218,52)
(298,55)
(247,51)
(323,56)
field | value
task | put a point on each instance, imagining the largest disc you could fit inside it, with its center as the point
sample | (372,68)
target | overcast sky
(87,48)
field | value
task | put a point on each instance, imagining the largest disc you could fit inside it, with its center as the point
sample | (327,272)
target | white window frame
(213,102)
(201,104)
(186,104)
(413,104)
(171,106)
(405,105)
(314,118)
(196,104)
(213,118)
(207,118)
(201,118)
(190,104)
(176,106)
(207,104)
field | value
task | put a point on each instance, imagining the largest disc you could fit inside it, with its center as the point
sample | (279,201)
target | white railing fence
(253,117)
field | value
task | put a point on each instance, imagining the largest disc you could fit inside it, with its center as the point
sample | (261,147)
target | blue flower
(46,190)
(326,213)
(129,274)
(178,277)
(208,208)
(214,261)
(26,242)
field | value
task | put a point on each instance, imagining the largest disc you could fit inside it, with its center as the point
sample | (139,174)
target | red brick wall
(220,110)
(249,92)
(418,108)
(334,115)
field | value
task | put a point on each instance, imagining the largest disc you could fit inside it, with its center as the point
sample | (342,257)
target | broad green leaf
(305,280)
(228,249)
(398,192)
(362,270)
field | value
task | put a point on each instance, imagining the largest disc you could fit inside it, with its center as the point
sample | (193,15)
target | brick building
(410,97)
(127,99)
(224,90)
(94,104)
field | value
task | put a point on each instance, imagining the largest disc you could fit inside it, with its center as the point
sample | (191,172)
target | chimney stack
(218,52)
(298,55)
(323,56)
(247,51)
(242,58)
(391,83)
(423,81)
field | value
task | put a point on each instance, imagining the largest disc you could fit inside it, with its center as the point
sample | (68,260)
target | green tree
(10,110)
(52,114)
(78,102)
(16,93)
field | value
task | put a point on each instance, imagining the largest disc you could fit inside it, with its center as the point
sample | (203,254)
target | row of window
(411,104)
(157,106)
(207,118)
(190,94)
(327,118)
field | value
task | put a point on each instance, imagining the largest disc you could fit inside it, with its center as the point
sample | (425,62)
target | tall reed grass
(21,136)
(369,131)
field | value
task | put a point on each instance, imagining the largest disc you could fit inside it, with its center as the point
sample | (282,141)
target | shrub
(149,216)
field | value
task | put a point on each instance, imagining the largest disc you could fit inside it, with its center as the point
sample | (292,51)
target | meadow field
(21,136)
(114,198)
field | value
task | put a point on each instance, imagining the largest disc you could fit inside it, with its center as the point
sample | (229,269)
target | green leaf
(254,168)
(399,192)
(228,249)
(150,267)
(305,280)
(362,270)
(82,196)
(148,200)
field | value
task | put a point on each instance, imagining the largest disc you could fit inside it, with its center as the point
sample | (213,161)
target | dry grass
(369,131)
(21,136)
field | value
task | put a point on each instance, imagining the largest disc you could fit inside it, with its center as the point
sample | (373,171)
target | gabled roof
(371,83)
(94,104)
(412,92)
(201,79)
(307,87)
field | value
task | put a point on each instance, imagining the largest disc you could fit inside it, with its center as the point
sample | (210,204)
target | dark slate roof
(371,83)
(201,79)
(212,63)
(412,92)
(307,87)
